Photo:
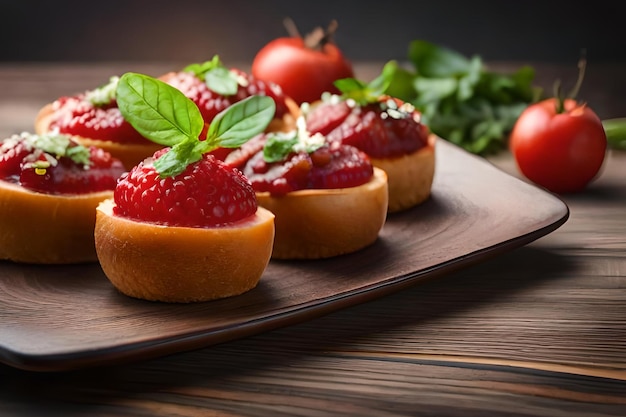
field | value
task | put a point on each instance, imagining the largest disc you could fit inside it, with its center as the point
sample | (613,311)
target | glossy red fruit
(37,170)
(381,130)
(78,116)
(560,149)
(326,117)
(207,194)
(339,166)
(12,152)
(329,167)
(68,177)
(560,143)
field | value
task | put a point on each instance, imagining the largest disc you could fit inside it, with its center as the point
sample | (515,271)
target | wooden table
(538,331)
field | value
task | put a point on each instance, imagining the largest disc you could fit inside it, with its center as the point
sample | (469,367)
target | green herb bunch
(459,98)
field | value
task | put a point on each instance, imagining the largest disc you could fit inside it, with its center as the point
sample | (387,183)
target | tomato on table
(303,67)
(560,143)
(562,151)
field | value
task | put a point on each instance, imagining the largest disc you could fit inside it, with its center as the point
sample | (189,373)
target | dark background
(193,30)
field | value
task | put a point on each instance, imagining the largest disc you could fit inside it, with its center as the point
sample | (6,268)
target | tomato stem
(560,100)
(291,28)
(582,64)
(317,38)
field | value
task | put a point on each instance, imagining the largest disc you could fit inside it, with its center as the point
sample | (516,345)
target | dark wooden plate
(67,317)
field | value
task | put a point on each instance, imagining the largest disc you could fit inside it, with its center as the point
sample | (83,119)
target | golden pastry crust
(182,264)
(43,228)
(129,153)
(313,224)
(410,176)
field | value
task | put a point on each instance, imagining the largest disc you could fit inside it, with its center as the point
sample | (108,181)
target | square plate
(67,317)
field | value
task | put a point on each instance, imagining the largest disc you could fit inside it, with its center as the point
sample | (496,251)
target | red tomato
(303,72)
(561,151)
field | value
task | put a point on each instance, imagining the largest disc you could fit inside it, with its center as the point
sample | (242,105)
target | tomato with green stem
(559,143)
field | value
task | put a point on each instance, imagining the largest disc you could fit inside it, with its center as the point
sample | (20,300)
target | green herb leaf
(431,90)
(200,69)
(435,61)
(398,81)
(103,95)
(459,98)
(166,116)
(178,158)
(280,144)
(615,130)
(367,93)
(59,145)
(241,121)
(216,76)
(222,81)
(52,143)
(79,154)
(157,110)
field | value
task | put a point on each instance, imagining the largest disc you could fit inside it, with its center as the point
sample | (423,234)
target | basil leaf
(379,85)
(177,159)
(241,121)
(277,147)
(349,85)
(216,76)
(399,81)
(222,81)
(202,68)
(166,116)
(157,110)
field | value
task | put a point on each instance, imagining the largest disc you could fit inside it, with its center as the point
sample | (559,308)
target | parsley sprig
(460,99)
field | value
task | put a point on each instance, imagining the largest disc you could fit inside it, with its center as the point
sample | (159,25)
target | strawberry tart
(49,189)
(388,130)
(327,197)
(183,226)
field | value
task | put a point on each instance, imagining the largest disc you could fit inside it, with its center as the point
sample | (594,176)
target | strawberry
(56,164)
(374,130)
(328,116)
(295,161)
(339,166)
(12,152)
(379,125)
(213,87)
(93,114)
(183,184)
(206,193)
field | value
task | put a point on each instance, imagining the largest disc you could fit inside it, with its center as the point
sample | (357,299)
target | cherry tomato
(303,67)
(561,151)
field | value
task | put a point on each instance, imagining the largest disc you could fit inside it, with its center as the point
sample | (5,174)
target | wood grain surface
(537,331)
(75,307)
